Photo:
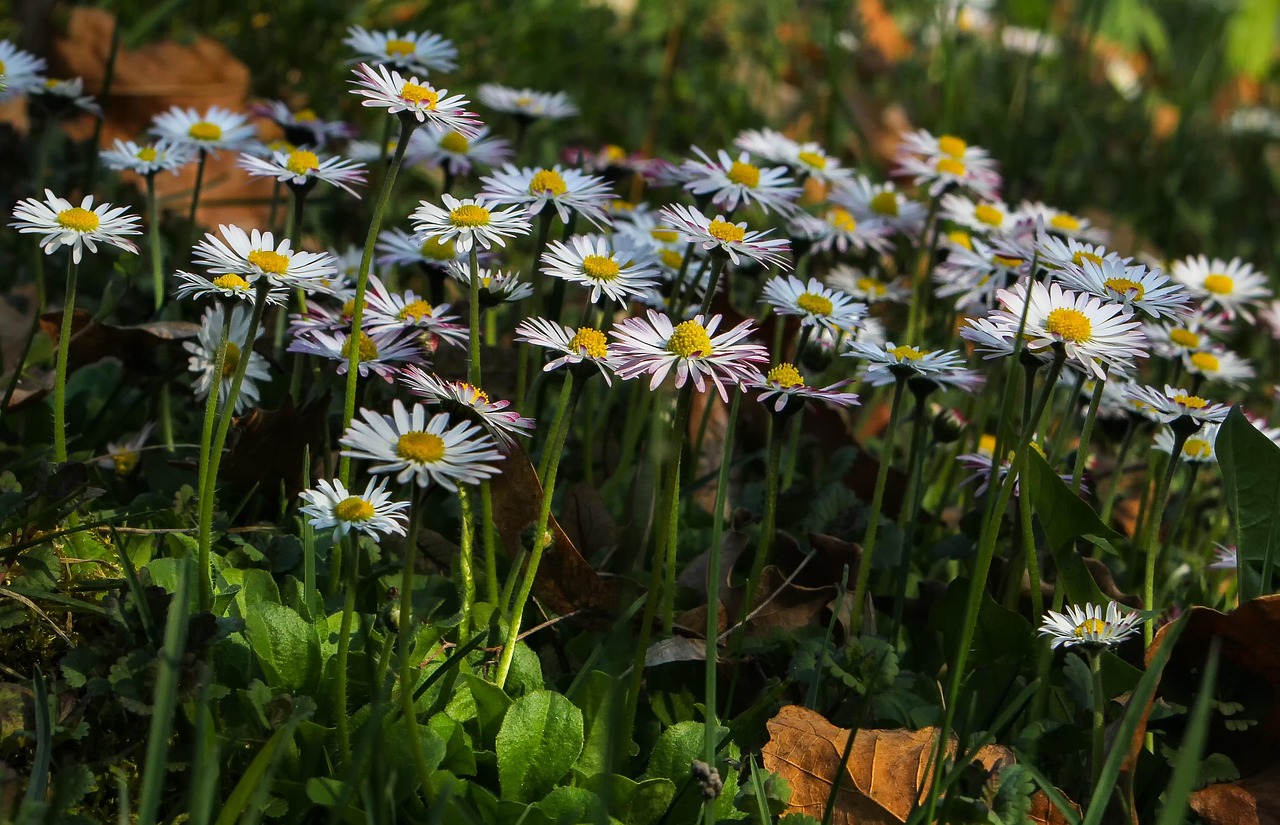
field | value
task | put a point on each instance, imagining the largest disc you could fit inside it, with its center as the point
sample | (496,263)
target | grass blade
(1187,765)
(166,699)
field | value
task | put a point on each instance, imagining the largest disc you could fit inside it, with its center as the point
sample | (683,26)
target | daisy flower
(865,288)
(257,255)
(886,361)
(123,456)
(59,96)
(496,286)
(1219,364)
(469,401)
(1197,449)
(1224,557)
(1092,626)
(204,357)
(1233,286)
(654,346)
(1068,253)
(303,127)
(402,248)
(303,168)
(807,159)
(881,202)
(428,451)
(719,236)
(979,466)
(456,153)
(940,162)
(1132,285)
(19,71)
(836,228)
(992,217)
(388,311)
(731,182)
(415,52)
(386,89)
(161,156)
(1270,318)
(568,190)
(79,227)
(373,513)
(468,222)
(216,129)
(1060,222)
(227,285)
(381,353)
(815,304)
(589,261)
(784,384)
(527,104)
(585,345)
(1191,334)
(1174,403)
(974,274)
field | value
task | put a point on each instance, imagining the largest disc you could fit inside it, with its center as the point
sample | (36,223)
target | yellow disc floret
(78,220)
(272,263)
(547,182)
(368,349)
(905,353)
(1184,338)
(1069,324)
(960,238)
(689,339)
(416,310)
(469,215)
(786,375)
(125,461)
(950,166)
(1081,256)
(147,154)
(1006,261)
(841,219)
(814,303)
(988,214)
(423,95)
(302,162)
(1065,222)
(1197,447)
(885,203)
(353,508)
(400,48)
(231,281)
(1191,402)
(1219,284)
(671,258)
(664,235)
(455,143)
(1092,627)
(438,250)
(744,174)
(1124,286)
(205,131)
(1205,362)
(600,268)
(420,447)
(726,232)
(591,342)
(952,145)
(812,159)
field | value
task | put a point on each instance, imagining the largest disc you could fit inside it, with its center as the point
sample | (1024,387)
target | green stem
(405,628)
(717,268)
(490,543)
(466,559)
(877,501)
(1099,717)
(1082,452)
(671,520)
(911,507)
(1113,483)
(542,537)
(1068,414)
(60,379)
(153,234)
(192,228)
(344,645)
(407,126)
(473,341)
(1182,430)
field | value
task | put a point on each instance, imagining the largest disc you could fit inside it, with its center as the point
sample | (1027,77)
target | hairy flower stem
(153,237)
(466,559)
(1099,718)
(407,125)
(713,281)
(1082,452)
(1183,428)
(542,538)
(60,368)
(877,502)
(473,311)
(405,627)
(192,229)
(491,588)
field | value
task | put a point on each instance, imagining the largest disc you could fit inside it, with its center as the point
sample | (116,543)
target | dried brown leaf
(1251,801)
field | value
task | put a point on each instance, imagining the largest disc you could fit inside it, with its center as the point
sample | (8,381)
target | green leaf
(1066,518)
(1250,465)
(491,706)
(540,739)
(1186,765)
(597,695)
(41,568)
(571,806)
(285,645)
(632,802)
(672,759)
(1251,36)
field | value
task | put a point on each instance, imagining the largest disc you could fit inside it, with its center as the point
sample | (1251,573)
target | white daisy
(414,52)
(79,227)
(568,190)
(161,156)
(947,161)
(723,237)
(1060,222)
(227,285)
(468,401)
(585,345)
(731,182)
(402,248)
(468,222)
(1233,286)
(837,229)
(456,153)
(1219,364)
(816,305)
(303,127)
(204,356)
(216,129)
(427,451)
(1224,557)
(588,260)
(654,346)
(382,353)
(388,311)
(990,217)
(59,96)
(1132,285)
(865,288)
(1174,403)
(880,202)
(303,168)
(1191,334)
(1197,449)
(886,361)
(1089,626)
(257,255)
(785,391)
(1069,253)
(496,286)
(386,89)
(527,104)
(123,456)
(19,71)
(373,513)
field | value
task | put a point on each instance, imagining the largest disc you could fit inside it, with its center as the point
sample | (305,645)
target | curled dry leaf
(270,445)
(586,519)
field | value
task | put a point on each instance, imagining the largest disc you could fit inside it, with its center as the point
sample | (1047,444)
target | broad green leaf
(286,646)
(1251,36)
(632,802)
(672,759)
(1250,466)
(1065,518)
(540,739)
(597,697)
(571,806)
(491,705)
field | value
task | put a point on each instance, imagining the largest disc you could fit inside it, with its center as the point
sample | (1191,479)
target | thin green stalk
(352,576)
(718,262)
(1032,557)
(466,559)
(710,739)
(192,228)
(671,522)
(877,502)
(910,511)
(490,543)
(1099,718)
(542,538)
(405,627)
(473,337)
(1182,428)
(1068,414)
(60,380)
(169,665)
(1082,452)
(153,235)
(407,126)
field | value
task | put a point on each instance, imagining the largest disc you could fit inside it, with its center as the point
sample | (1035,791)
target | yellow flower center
(231,360)
(231,281)
(348,308)
(455,143)
(672,259)
(744,174)
(1081,256)
(600,268)
(885,203)
(1069,324)
(592,342)
(1219,284)
(842,220)
(305,116)
(424,95)
(813,159)
(204,130)
(1197,447)
(438,250)
(273,263)
(1091,627)
(420,447)
(786,375)
(547,182)
(125,461)
(987,443)
(1191,402)
(621,206)
(664,235)
(1124,286)
(988,214)
(417,310)
(79,220)
(726,232)
(353,509)
(905,353)
(1006,262)
(469,215)
(400,48)
(147,154)
(302,162)
(1184,338)
(689,339)
(1205,362)
(814,303)
(950,166)
(952,145)
(960,238)
(1065,222)
(614,153)
(872,287)
(2,69)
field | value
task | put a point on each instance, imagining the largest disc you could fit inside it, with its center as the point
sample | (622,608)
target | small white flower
(426,451)
(654,346)
(837,229)
(387,89)
(1060,222)
(372,513)
(732,182)
(1132,285)
(886,361)
(416,52)
(468,222)
(869,201)
(19,71)
(496,286)
(583,345)
(216,129)
(1233,286)
(468,401)
(303,127)
(302,167)
(721,236)
(256,255)
(1197,449)
(123,456)
(1091,625)
(204,357)
(568,190)
(227,285)
(161,156)
(939,162)
(403,248)
(815,304)
(588,261)
(527,103)
(79,227)
(58,93)
(784,384)
(381,353)
(865,288)
(1219,364)
(457,154)
(393,311)
(1174,403)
